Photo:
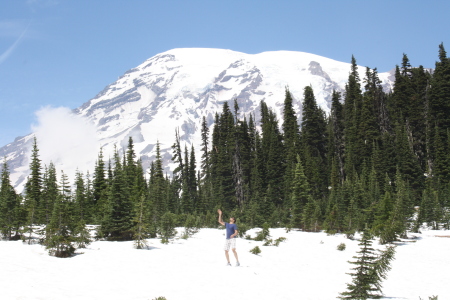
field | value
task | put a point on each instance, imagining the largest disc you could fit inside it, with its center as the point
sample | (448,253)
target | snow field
(305,266)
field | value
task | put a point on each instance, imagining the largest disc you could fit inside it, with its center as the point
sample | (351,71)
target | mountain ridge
(175,89)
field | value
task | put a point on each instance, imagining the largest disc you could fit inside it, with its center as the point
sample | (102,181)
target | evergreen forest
(379,161)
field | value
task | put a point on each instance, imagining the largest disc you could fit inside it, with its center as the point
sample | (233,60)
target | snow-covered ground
(305,266)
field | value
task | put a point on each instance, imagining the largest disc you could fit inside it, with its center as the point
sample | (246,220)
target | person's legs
(233,248)
(235,254)
(227,248)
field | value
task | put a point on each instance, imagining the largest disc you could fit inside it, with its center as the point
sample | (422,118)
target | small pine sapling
(370,270)
(350,234)
(167,227)
(59,233)
(255,250)
(268,242)
(83,237)
(30,230)
(264,234)
(288,228)
(198,223)
(243,228)
(140,229)
(140,242)
(60,242)
(41,235)
(190,226)
(331,232)
(278,241)
(341,247)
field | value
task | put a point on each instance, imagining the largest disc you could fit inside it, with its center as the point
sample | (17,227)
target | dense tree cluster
(370,163)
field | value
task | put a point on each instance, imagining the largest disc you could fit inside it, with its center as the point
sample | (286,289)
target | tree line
(379,161)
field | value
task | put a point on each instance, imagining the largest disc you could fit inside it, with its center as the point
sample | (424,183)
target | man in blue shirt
(231,233)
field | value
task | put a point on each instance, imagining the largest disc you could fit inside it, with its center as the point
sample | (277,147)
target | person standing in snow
(231,233)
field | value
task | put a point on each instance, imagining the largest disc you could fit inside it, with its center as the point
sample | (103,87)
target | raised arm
(220,217)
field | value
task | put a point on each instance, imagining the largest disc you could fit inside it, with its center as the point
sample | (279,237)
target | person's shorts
(230,243)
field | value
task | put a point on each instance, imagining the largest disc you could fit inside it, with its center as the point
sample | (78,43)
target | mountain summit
(174,90)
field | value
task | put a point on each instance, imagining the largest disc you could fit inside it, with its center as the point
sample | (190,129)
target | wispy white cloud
(11,28)
(66,139)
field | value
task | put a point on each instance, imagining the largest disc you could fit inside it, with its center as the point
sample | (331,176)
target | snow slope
(306,266)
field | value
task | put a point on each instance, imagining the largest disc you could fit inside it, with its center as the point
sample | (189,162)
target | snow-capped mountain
(175,89)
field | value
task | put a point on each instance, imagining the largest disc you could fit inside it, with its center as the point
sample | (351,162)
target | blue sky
(62,53)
